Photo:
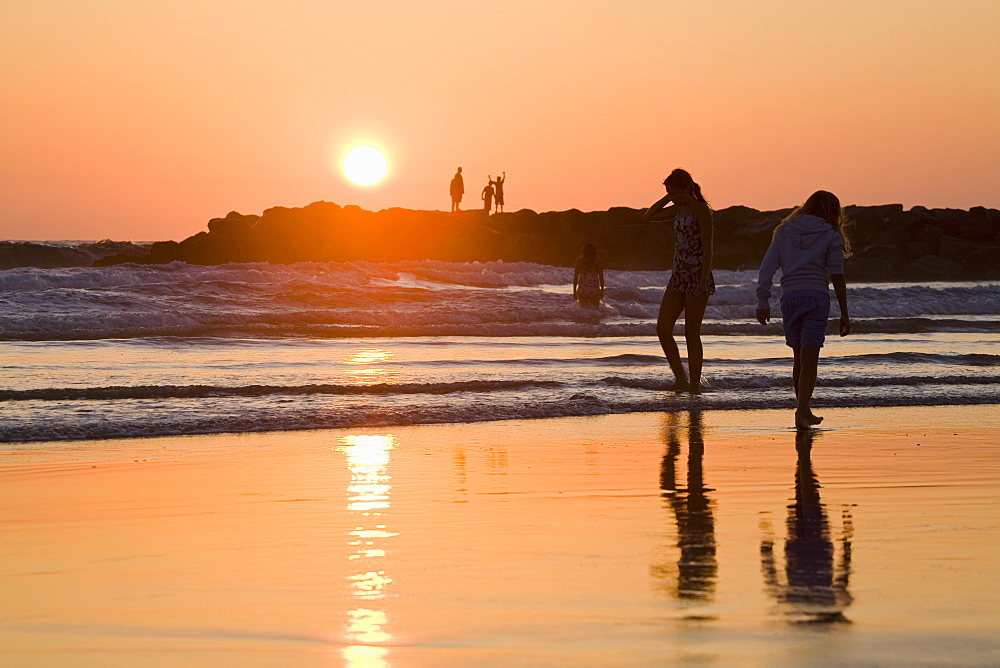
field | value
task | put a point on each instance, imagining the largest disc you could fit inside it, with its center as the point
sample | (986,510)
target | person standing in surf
(691,282)
(588,278)
(809,246)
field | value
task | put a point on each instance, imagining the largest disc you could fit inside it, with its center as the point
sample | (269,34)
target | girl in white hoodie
(809,247)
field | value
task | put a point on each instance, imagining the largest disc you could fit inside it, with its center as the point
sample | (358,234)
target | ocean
(155,350)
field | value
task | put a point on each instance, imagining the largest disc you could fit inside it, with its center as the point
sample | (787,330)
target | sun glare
(365,165)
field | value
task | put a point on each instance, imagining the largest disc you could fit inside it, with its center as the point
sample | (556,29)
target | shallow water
(154,350)
(151,387)
(641,539)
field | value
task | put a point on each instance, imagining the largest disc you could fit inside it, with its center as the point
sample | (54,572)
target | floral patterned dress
(689,257)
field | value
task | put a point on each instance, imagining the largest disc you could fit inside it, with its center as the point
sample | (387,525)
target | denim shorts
(804,315)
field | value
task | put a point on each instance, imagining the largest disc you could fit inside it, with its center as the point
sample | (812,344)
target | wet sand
(644,539)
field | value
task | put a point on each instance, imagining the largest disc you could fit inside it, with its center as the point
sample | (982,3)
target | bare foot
(815,419)
(680,385)
(804,419)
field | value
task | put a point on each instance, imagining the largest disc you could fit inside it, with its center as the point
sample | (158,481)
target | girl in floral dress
(691,281)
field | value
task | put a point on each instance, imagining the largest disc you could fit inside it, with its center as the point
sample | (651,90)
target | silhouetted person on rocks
(498,190)
(488,196)
(457,190)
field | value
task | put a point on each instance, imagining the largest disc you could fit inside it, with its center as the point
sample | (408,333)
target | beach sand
(640,539)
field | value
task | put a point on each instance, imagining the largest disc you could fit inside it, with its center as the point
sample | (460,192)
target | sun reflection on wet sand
(368,497)
(366,656)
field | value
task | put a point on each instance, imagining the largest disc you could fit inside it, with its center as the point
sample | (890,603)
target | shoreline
(675,404)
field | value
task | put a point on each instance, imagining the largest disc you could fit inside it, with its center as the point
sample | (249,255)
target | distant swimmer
(457,190)
(691,282)
(809,246)
(588,278)
(488,196)
(498,197)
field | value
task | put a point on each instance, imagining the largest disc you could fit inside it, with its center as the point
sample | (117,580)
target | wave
(202,391)
(416,299)
(53,254)
(866,359)
(242,420)
(715,382)
(61,328)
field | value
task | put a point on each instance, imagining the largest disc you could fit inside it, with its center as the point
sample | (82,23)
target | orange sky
(142,120)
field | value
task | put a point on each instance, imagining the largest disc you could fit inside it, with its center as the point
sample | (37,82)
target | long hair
(825,205)
(682,179)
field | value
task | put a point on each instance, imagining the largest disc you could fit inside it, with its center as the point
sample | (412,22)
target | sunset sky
(131,119)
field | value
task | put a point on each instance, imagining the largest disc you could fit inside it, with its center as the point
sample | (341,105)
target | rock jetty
(891,244)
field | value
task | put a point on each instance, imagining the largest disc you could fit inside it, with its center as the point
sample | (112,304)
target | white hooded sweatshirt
(807,250)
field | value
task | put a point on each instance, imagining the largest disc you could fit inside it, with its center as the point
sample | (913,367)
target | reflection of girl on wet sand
(816,583)
(697,567)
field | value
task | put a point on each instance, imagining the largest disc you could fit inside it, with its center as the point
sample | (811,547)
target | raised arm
(659,210)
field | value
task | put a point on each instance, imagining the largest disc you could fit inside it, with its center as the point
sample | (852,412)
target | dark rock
(918,249)
(921,214)
(934,268)
(938,244)
(859,268)
(887,253)
(953,248)
(932,234)
(234,223)
(948,217)
(162,252)
(981,263)
(979,225)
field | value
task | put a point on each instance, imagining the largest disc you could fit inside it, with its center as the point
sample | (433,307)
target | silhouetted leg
(807,362)
(670,309)
(796,367)
(694,311)
(796,370)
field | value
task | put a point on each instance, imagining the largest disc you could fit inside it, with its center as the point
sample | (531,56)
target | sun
(365,165)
